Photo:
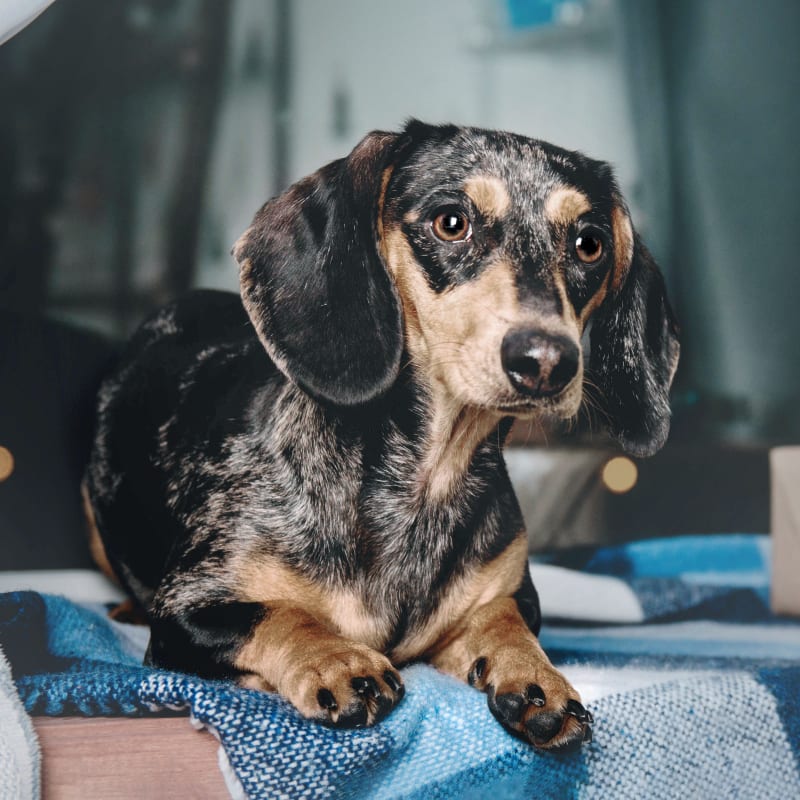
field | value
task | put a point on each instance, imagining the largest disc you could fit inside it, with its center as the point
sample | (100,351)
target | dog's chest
(365,543)
(421,563)
(405,605)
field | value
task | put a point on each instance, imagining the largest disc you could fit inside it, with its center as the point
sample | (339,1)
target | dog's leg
(283,648)
(495,651)
(326,677)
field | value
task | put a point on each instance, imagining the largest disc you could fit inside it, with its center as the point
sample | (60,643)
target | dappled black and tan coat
(304,487)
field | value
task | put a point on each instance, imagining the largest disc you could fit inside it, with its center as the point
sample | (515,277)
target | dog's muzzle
(539,364)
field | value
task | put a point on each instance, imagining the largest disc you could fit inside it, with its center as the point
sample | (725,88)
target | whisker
(495,314)
(543,431)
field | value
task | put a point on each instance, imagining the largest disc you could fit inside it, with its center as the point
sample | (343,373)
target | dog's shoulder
(203,335)
(186,379)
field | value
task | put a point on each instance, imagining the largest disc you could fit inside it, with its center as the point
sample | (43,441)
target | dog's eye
(451,226)
(589,245)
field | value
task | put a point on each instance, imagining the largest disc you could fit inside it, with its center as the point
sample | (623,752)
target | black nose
(539,364)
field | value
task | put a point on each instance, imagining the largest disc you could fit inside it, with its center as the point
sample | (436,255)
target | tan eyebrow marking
(489,194)
(566,204)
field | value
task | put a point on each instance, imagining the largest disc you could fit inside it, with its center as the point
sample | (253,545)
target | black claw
(587,734)
(326,700)
(367,687)
(394,683)
(579,712)
(535,695)
(383,706)
(477,671)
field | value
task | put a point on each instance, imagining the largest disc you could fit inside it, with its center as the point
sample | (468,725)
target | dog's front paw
(532,700)
(357,689)
(328,678)
(341,683)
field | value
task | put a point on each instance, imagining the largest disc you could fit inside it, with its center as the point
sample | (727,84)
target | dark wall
(49,376)
(732,77)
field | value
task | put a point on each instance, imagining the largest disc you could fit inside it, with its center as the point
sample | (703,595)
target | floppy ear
(314,283)
(634,347)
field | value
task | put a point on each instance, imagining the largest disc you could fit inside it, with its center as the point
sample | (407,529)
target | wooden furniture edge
(127,758)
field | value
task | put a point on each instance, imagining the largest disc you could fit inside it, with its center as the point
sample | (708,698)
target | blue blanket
(697,695)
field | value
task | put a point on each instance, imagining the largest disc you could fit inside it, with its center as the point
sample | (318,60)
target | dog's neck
(454,433)
(445,435)
(439,437)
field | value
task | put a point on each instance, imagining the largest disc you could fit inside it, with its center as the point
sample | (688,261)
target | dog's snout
(539,364)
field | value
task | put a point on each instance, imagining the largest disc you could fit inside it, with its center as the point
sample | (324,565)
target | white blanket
(20,759)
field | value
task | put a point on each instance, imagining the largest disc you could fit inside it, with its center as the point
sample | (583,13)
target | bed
(694,685)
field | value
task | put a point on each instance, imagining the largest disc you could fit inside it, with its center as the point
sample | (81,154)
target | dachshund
(303,486)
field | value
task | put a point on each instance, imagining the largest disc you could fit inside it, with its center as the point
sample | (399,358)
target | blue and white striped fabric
(694,686)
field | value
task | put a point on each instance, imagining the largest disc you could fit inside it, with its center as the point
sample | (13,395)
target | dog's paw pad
(507,707)
(543,727)
(559,728)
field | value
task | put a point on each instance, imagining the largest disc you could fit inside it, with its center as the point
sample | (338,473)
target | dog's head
(486,257)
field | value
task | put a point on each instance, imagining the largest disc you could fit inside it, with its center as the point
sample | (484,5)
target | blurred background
(138,137)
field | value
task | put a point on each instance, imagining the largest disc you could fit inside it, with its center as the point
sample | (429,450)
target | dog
(303,486)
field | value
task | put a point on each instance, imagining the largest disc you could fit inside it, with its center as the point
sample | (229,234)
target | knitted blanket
(694,686)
